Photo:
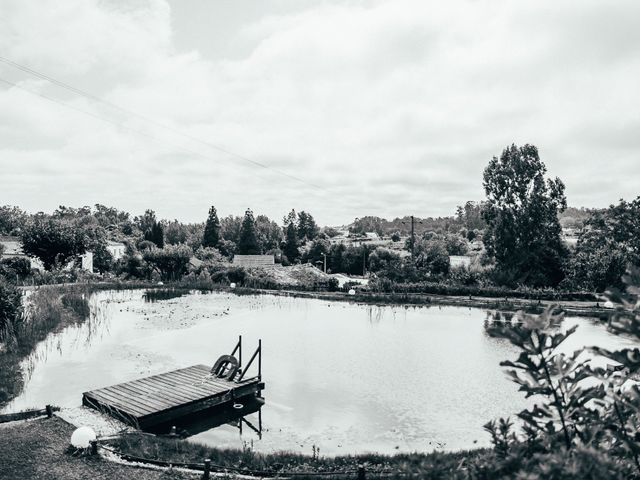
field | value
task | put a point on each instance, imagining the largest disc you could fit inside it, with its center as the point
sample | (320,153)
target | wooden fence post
(49,410)
(207,469)
(94,447)
(361,475)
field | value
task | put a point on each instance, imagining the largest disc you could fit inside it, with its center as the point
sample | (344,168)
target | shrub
(10,310)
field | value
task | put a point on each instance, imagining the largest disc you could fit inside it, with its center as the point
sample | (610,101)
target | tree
(268,232)
(12,219)
(102,258)
(432,256)
(175,233)
(315,252)
(470,215)
(230,227)
(290,247)
(523,232)
(156,235)
(248,242)
(607,245)
(368,224)
(307,227)
(53,241)
(384,260)
(171,261)
(211,235)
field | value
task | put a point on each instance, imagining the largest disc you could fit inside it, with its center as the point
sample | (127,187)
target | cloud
(392,107)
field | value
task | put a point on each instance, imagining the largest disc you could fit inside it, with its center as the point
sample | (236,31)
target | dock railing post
(260,359)
(207,469)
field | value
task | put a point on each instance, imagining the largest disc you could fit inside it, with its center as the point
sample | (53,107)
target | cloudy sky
(340,108)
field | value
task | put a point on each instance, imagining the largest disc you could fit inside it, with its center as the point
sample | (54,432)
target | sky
(339,108)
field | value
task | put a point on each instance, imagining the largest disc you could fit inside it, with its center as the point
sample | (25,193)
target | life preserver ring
(225,367)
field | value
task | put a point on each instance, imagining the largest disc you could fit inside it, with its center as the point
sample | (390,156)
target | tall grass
(420,465)
(43,311)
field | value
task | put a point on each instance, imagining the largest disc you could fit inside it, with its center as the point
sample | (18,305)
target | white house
(116,249)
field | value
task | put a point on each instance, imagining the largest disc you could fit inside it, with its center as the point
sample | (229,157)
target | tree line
(515,235)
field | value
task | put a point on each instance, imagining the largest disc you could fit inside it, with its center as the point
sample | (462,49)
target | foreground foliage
(586,424)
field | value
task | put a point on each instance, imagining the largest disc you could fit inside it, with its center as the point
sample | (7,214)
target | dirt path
(36,450)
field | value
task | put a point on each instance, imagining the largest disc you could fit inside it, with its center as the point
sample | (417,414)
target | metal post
(207,469)
(260,359)
(49,411)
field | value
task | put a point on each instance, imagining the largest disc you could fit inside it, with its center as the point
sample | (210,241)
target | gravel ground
(37,450)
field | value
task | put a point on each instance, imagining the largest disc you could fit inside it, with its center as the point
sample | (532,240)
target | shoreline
(573,308)
(568,307)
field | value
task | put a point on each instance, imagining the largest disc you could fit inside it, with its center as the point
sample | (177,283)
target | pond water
(343,377)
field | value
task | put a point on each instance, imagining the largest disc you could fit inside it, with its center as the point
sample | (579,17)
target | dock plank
(162,397)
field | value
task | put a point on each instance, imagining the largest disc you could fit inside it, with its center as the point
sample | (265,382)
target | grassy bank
(436,465)
(45,310)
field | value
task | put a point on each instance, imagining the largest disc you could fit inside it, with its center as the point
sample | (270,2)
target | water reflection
(348,378)
(245,414)
(157,295)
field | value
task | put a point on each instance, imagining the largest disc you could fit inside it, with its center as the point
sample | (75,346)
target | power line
(97,99)
(98,117)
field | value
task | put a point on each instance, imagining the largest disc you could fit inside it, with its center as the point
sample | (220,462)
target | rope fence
(207,468)
(27,414)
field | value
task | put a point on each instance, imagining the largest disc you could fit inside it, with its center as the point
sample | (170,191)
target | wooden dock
(161,398)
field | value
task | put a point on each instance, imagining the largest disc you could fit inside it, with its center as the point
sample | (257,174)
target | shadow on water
(158,295)
(205,420)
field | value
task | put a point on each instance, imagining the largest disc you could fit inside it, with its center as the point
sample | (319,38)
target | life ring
(225,367)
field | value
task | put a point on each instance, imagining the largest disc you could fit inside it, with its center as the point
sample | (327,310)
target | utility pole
(364,261)
(413,237)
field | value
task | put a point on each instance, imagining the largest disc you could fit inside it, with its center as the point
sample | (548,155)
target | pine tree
(211,235)
(290,248)
(248,244)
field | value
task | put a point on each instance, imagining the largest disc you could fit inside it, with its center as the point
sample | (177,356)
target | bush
(15,268)
(10,310)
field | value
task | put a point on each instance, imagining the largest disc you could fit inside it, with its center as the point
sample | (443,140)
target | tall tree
(155,234)
(307,227)
(269,233)
(523,232)
(290,248)
(211,235)
(248,242)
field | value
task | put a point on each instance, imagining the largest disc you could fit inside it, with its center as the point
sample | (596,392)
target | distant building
(13,249)
(116,249)
(86,261)
(254,261)
(458,261)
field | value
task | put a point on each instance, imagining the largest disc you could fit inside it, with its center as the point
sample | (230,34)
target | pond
(341,377)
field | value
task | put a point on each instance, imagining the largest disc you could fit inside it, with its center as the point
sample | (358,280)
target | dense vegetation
(513,238)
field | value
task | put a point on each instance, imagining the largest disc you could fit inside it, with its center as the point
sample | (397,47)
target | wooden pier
(161,398)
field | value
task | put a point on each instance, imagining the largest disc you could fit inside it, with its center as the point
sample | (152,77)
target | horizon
(339,109)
